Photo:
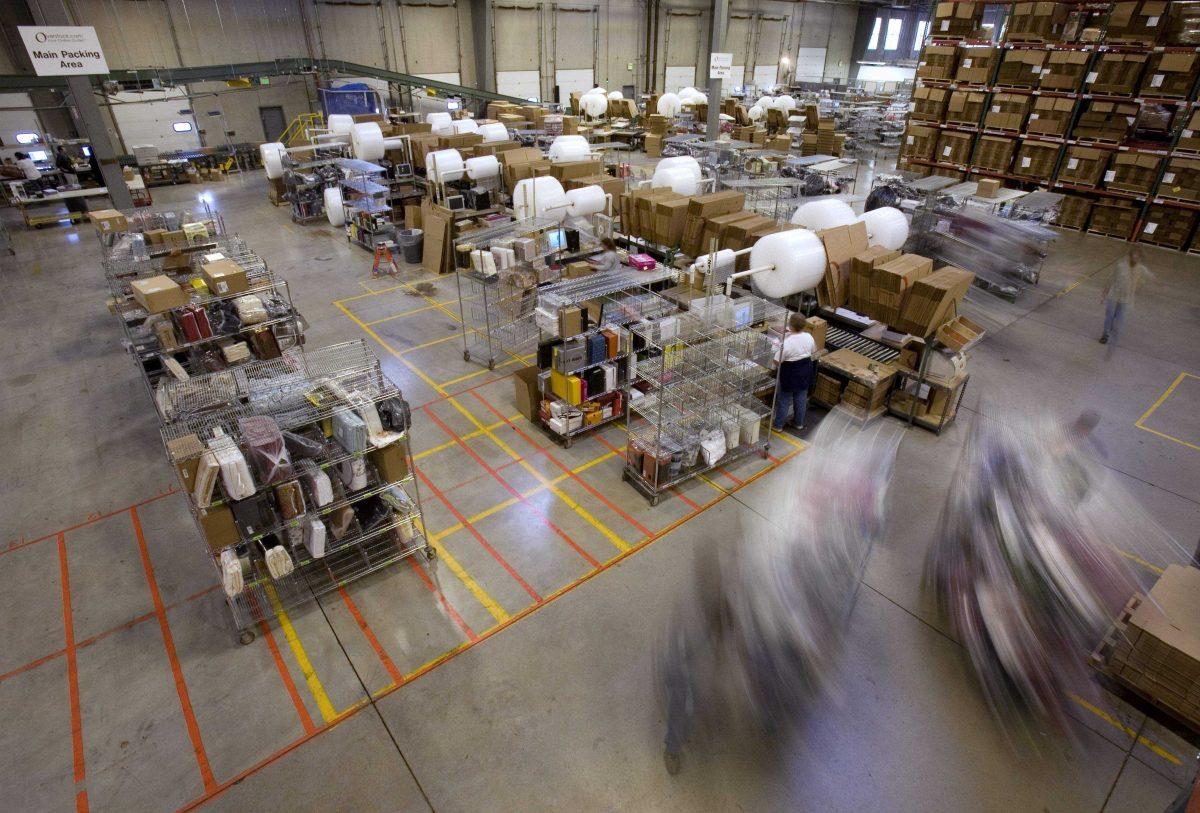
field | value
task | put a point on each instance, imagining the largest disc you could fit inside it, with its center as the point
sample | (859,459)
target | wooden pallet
(1171,199)
(1014,87)
(1112,142)
(1115,236)
(1152,242)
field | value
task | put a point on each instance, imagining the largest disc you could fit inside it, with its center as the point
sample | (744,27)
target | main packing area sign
(63,50)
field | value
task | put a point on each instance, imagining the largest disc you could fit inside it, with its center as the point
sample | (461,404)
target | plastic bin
(411,242)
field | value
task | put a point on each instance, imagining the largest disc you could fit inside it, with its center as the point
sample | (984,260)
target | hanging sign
(63,50)
(720,66)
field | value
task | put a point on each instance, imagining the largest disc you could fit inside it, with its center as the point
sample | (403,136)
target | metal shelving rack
(701,377)
(301,390)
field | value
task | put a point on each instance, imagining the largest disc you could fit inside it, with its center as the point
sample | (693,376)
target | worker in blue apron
(795,374)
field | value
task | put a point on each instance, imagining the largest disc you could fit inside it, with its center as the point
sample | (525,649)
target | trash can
(411,242)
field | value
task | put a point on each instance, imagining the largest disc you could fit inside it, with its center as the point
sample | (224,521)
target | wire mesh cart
(704,394)
(299,474)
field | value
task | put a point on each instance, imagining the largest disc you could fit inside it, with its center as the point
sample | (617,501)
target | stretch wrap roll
(340,124)
(798,260)
(272,158)
(333,206)
(482,167)
(886,226)
(537,196)
(823,214)
(366,139)
(493,132)
(587,200)
(444,165)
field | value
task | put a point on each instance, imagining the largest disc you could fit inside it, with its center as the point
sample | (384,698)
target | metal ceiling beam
(276,67)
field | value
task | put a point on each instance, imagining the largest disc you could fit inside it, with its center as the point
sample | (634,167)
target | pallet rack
(700,384)
(302,391)
(1183,107)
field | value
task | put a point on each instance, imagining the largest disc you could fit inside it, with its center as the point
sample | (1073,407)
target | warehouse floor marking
(1193,405)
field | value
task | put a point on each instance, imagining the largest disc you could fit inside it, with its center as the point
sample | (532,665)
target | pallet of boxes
(1153,649)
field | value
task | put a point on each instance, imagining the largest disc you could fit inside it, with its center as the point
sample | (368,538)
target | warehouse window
(28,138)
(874,43)
(892,42)
(922,30)
(182,126)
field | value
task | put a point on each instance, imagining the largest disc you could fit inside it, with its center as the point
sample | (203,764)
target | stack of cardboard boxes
(1035,160)
(1110,122)
(966,107)
(1021,68)
(1116,74)
(1084,166)
(1170,75)
(1007,112)
(1167,226)
(1064,71)
(1036,22)
(933,300)
(975,64)
(1136,23)
(928,103)
(1113,217)
(994,153)
(1181,181)
(1050,116)
(958,20)
(1132,172)
(937,63)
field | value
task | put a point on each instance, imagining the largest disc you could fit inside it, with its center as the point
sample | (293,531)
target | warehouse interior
(626,405)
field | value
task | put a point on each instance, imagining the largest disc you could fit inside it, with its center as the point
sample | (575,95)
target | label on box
(1169,177)
(1034,117)
(966,63)
(1187,133)
(912,106)
(1092,77)
(1151,228)
(910,140)
(921,64)
(946,151)
(1072,163)
(212,258)
(1045,71)
(222,287)
(1151,22)
(1156,80)
(1025,162)
(1130,120)
(945,25)
(1110,175)
(995,108)
(1035,68)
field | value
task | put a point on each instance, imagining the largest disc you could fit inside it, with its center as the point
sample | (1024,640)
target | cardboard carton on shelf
(224,277)
(954,147)
(1084,166)
(108,221)
(1064,71)
(1141,22)
(928,103)
(1189,138)
(1050,116)
(1036,22)
(1113,217)
(1111,122)
(937,62)
(994,153)
(933,300)
(1115,73)
(654,145)
(960,334)
(1021,68)
(975,64)
(1167,226)
(1074,211)
(1132,172)
(891,282)
(1181,180)
(862,268)
(956,19)
(716,228)
(1007,111)
(702,207)
(1036,160)
(918,141)
(1170,74)
(966,107)
(158,294)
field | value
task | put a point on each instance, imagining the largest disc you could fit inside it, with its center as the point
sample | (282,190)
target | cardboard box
(956,19)
(670,215)
(1167,226)
(566,170)
(1064,71)
(842,245)
(570,321)
(1181,180)
(1036,22)
(994,153)
(1074,211)
(526,391)
(862,268)
(966,107)
(937,62)
(1050,116)
(1106,121)
(1170,75)
(1021,68)
(816,327)
(1007,111)
(1132,172)
(988,187)
(158,294)
(391,462)
(610,185)
(738,234)
(1113,217)
(715,228)
(1136,23)
(654,145)
(975,64)
(1084,166)
(919,141)
(780,143)
(1189,138)
(224,277)
(933,301)
(954,148)
(702,207)
(890,283)
(1035,159)
(108,221)
(185,453)
(928,103)
(1115,74)
(220,531)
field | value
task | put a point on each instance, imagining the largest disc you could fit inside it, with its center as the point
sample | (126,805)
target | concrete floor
(516,673)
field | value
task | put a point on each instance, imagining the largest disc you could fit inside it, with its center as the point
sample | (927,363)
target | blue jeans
(790,401)
(1113,311)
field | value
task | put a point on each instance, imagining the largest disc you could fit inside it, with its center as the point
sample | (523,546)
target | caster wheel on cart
(430,553)
(491,364)
(567,443)
(466,355)
(246,637)
(654,501)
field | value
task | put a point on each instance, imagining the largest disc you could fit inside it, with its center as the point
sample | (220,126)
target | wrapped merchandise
(316,481)
(250,309)
(264,442)
(314,537)
(235,472)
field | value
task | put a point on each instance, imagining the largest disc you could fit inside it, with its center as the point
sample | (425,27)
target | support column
(483,20)
(720,19)
(88,118)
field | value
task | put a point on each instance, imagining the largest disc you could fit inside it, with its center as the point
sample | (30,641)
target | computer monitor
(452,105)
(87,151)
(556,240)
(38,155)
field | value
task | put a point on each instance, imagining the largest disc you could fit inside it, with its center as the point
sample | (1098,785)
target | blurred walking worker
(1119,291)
(795,374)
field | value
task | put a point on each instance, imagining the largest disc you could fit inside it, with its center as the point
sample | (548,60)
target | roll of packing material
(616,95)
(724,117)
(686,161)
(539,196)
(366,140)
(725,261)
(679,179)
(687,91)
(668,105)
(341,124)
(444,165)
(587,200)
(766,102)
(823,214)
(798,260)
(482,167)
(493,132)
(333,206)
(594,104)
(886,226)
(598,90)
(462,126)
(569,148)
(441,122)
(785,103)
(272,157)
(756,112)
(694,98)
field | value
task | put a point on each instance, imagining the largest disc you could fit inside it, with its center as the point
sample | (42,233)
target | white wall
(146,117)
(17,121)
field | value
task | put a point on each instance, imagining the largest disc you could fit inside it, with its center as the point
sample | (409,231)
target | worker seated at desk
(608,260)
